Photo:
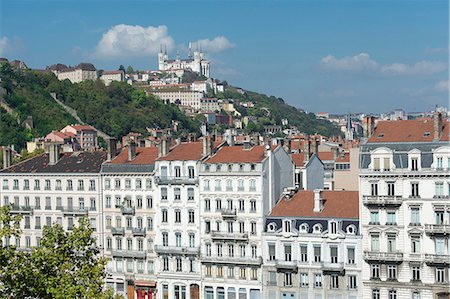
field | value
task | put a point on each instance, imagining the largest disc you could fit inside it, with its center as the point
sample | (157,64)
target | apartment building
(239,185)
(177,241)
(53,188)
(86,136)
(311,245)
(128,220)
(405,209)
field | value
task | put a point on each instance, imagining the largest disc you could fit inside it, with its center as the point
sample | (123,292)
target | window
(165,264)
(208,249)
(317,254)
(375,242)
(304,281)
(37,222)
(333,227)
(241,205)
(108,243)
(415,271)
(387,164)
(242,272)
(317,280)
(415,216)
(218,205)
(391,239)
(242,250)
(139,204)
(206,185)
(149,202)
(36,184)
(374,189)
(5,185)
(415,295)
(127,184)
(288,279)
(219,271)
(165,239)
(91,185)
(191,216)
(164,215)
(26,185)
(374,217)
(439,165)
(163,194)
(391,219)
(240,185)
(254,251)
(352,284)
(440,275)
(287,226)
(272,252)
(439,217)
(392,272)
(177,170)
(303,253)
(108,201)
(177,216)
(80,185)
(219,248)
(191,240)
(207,205)
(414,164)
(47,185)
(391,188)
(190,193)
(414,189)
(287,252)
(334,281)
(150,223)
(148,183)
(392,294)
(207,227)
(217,185)
(252,185)
(241,227)
(191,172)
(350,255)
(333,254)
(253,228)
(179,264)
(439,189)
(415,244)
(440,245)
(252,206)
(272,278)
(177,194)
(229,185)
(376,294)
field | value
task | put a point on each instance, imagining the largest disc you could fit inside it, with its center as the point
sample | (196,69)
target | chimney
(247,144)
(230,140)
(307,151)
(111,147)
(437,122)
(207,145)
(318,201)
(131,150)
(316,147)
(53,153)
(7,157)
(163,148)
(335,152)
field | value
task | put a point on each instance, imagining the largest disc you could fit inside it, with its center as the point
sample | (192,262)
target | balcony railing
(442,260)
(176,180)
(118,231)
(232,260)
(127,210)
(382,200)
(227,213)
(25,210)
(333,268)
(73,210)
(129,254)
(437,229)
(383,257)
(176,250)
(138,231)
(287,265)
(229,236)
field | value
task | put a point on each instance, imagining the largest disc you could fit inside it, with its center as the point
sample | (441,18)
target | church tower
(161,60)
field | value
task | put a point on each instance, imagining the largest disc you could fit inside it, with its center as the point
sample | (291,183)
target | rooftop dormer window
(317,229)
(304,228)
(271,227)
(426,134)
(380,135)
(287,226)
(230,167)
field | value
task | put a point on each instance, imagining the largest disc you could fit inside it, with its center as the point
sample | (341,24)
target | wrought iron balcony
(176,180)
(129,254)
(138,231)
(437,229)
(439,260)
(329,268)
(230,214)
(118,231)
(127,210)
(229,236)
(24,210)
(74,210)
(383,257)
(257,261)
(382,200)
(177,250)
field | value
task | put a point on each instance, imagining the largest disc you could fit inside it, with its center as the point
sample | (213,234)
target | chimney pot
(111,147)
(318,201)
(53,153)
(131,150)
(7,157)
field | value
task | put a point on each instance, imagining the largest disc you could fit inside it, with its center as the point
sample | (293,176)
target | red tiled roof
(339,204)
(144,155)
(185,151)
(345,158)
(238,154)
(298,159)
(326,156)
(418,130)
(61,134)
(83,128)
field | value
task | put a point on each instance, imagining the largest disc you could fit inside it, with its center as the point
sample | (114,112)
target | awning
(145,283)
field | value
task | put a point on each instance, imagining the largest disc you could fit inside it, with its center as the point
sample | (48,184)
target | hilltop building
(196,63)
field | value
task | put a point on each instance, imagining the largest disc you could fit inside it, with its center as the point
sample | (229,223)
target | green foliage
(189,77)
(65,265)
(130,70)
(122,68)
(11,133)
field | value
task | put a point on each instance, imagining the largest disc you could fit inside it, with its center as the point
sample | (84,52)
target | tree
(130,70)
(65,265)
(122,68)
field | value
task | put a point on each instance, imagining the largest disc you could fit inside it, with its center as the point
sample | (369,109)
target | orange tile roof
(238,154)
(298,159)
(418,130)
(144,155)
(337,204)
(61,134)
(82,127)
(185,151)
(345,158)
(326,156)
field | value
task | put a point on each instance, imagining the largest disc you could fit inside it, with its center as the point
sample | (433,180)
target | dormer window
(252,167)
(426,134)
(380,135)
(271,227)
(287,226)
(304,228)
(219,167)
(207,168)
(241,167)
(230,167)
(333,227)
(317,229)
(351,229)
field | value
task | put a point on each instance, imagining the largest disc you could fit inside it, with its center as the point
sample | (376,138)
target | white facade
(110,76)
(77,75)
(182,97)
(405,219)
(196,64)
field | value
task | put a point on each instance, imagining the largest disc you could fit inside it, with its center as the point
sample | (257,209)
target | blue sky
(336,56)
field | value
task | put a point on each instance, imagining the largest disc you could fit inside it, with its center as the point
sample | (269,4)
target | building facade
(311,246)
(196,63)
(405,215)
(238,187)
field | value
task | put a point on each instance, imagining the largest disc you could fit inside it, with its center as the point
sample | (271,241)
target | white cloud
(363,62)
(4,45)
(127,40)
(358,62)
(217,44)
(443,86)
